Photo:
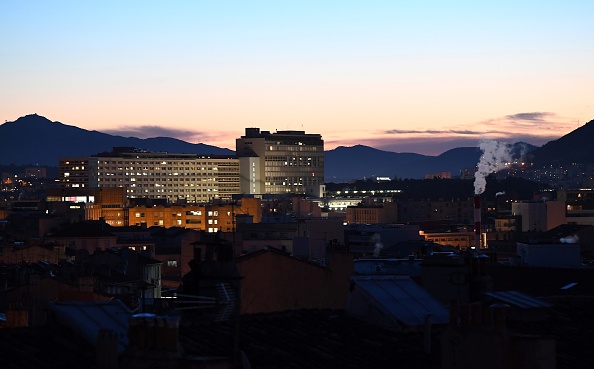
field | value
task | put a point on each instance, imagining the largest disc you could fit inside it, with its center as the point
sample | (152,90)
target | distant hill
(34,139)
(574,147)
(347,163)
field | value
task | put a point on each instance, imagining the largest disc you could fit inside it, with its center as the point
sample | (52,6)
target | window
(172,263)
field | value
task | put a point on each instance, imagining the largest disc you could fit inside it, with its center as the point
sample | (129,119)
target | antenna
(225,302)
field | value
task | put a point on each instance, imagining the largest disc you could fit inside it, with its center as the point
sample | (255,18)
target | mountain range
(35,140)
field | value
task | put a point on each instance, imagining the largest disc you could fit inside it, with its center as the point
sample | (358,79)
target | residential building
(281,162)
(107,203)
(372,213)
(174,177)
(206,217)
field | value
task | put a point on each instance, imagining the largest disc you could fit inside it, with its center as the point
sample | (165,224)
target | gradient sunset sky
(403,76)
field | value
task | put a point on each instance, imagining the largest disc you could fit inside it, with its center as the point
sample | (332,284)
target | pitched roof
(88,318)
(400,299)
(519,299)
(310,339)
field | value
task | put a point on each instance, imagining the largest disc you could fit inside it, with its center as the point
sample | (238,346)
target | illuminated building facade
(74,172)
(207,217)
(283,162)
(175,177)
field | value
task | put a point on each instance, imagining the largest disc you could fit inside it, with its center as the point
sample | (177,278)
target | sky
(403,76)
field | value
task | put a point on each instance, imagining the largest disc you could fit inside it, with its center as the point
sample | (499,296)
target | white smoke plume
(495,155)
(570,239)
(500,193)
(377,244)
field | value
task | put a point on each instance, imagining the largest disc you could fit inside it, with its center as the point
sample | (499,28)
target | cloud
(537,116)
(153,131)
(437,132)
(536,128)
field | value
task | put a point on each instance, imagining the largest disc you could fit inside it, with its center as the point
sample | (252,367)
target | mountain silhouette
(574,147)
(34,139)
(347,163)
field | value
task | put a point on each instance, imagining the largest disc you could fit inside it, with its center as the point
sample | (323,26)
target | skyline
(422,77)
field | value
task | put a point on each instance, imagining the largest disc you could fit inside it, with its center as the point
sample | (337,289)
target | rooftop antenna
(224,302)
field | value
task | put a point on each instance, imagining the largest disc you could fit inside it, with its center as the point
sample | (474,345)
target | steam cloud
(378,245)
(495,155)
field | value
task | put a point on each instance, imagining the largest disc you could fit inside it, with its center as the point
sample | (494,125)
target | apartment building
(204,217)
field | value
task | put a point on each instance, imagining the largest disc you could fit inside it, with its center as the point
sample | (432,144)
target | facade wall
(372,214)
(540,216)
(275,282)
(208,217)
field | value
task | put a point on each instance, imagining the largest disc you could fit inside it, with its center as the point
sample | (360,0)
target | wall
(276,282)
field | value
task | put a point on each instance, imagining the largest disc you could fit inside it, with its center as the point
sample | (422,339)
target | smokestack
(477,221)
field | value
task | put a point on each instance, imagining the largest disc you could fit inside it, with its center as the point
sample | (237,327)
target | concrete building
(539,216)
(549,255)
(281,162)
(174,177)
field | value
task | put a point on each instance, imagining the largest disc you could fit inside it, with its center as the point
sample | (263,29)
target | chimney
(148,332)
(477,221)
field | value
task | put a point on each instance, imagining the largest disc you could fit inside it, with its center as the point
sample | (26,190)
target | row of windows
(174,162)
(210,213)
(188,169)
